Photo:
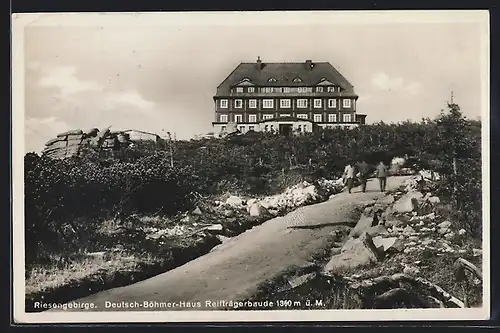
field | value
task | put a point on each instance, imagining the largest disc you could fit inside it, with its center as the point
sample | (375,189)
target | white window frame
(317,103)
(316,117)
(223,118)
(346,103)
(285,103)
(332,103)
(267,116)
(302,116)
(238,116)
(304,105)
(223,128)
(331,89)
(251,128)
(270,104)
(252,118)
(236,103)
(332,118)
(285,115)
(239,89)
(223,104)
(319,89)
(286,90)
(347,118)
(251,89)
(242,128)
(252,103)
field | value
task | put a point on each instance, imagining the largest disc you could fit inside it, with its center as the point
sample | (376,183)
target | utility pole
(171,149)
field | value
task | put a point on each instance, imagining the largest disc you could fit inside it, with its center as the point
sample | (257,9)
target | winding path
(235,269)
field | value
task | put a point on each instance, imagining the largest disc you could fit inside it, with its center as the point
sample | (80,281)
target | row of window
(284,103)
(252,118)
(267,128)
(286,89)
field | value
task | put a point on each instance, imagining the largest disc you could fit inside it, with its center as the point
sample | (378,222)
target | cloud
(383,81)
(40,130)
(64,79)
(127,98)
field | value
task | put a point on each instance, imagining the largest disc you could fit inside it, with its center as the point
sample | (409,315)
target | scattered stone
(234,201)
(477,252)
(449,235)
(335,250)
(410,244)
(197,211)
(215,227)
(186,219)
(229,213)
(393,223)
(410,270)
(442,231)
(361,252)
(408,230)
(376,230)
(444,225)
(386,200)
(413,238)
(258,210)
(433,200)
(217,202)
(222,238)
(427,241)
(462,251)
(364,223)
(300,280)
(407,250)
(461,232)
(408,202)
(384,244)
(418,262)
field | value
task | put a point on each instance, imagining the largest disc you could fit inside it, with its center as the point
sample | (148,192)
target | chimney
(309,64)
(259,63)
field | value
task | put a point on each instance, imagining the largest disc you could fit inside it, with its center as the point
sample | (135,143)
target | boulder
(461,232)
(215,227)
(385,244)
(197,211)
(229,213)
(408,202)
(223,238)
(335,250)
(377,230)
(388,199)
(300,280)
(257,210)
(234,201)
(72,132)
(433,200)
(364,223)
(360,252)
(444,225)
(408,230)
(410,270)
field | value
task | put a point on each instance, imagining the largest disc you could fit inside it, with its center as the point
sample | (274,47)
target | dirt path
(235,269)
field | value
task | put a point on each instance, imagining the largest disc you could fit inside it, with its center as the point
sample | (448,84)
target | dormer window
(239,89)
(297,79)
(251,89)
(272,79)
(331,89)
(319,89)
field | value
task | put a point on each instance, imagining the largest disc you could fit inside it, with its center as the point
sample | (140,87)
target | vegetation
(68,201)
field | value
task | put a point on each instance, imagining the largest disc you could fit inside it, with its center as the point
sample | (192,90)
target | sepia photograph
(250,166)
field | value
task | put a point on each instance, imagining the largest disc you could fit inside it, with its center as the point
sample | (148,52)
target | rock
(186,219)
(408,202)
(388,199)
(364,223)
(427,241)
(408,230)
(393,223)
(461,232)
(413,238)
(258,210)
(222,238)
(215,227)
(410,270)
(234,201)
(360,252)
(477,252)
(444,225)
(331,196)
(197,211)
(449,235)
(384,244)
(443,231)
(300,280)
(376,230)
(410,244)
(228,213)
(251,202)
(407,250)
(335,250)
(433,200)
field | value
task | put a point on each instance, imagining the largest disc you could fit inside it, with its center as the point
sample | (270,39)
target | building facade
(285,97)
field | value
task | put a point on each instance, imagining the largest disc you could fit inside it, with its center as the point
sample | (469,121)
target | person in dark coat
(382,173)
(363,169)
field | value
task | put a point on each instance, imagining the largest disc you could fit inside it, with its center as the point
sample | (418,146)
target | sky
(162,78)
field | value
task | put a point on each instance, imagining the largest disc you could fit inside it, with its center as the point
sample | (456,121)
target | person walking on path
(363,169)
(382,174)
(349,176)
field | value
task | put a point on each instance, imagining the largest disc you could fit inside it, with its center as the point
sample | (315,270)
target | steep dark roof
(285,73)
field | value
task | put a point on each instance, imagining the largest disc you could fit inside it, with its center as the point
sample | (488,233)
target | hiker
(349,176)
(382,174)
(363,169)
